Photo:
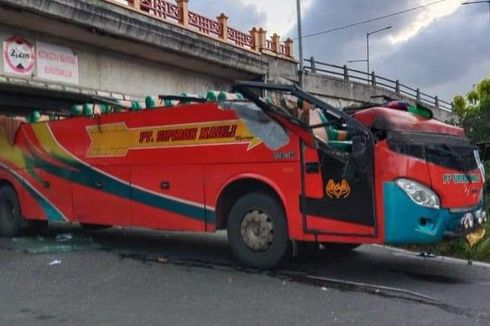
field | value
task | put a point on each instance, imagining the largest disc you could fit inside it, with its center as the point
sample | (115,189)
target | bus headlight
(419,194)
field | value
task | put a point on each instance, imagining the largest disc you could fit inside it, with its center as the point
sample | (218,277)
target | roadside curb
(452,260)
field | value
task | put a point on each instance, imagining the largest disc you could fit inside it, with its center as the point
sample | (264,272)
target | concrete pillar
(254,33)
(184,11)
(373,78)
(436,102)
(262,38)
(418,95)
(223,21)
(276,42)
(289,44)
(136,4)
(397,86)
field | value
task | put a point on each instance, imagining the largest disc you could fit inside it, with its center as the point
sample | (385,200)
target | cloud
(242,16)
(447,58)
(276,16)
(443,49)
(424,18)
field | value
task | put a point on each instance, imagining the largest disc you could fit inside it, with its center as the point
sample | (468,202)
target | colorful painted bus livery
(271,178)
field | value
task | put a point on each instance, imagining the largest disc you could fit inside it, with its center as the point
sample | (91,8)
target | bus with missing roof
(275,180)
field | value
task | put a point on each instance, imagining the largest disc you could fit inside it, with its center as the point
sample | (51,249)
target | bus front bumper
(408,223)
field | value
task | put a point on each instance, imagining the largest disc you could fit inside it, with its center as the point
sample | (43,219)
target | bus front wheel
(10,217)
(257,231)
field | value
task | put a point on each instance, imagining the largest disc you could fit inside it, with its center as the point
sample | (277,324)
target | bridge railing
(349,74)
(255,40)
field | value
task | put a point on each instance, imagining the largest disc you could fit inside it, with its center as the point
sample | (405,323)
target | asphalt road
(151,278)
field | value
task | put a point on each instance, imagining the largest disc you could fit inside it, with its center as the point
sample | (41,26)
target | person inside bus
(312,115)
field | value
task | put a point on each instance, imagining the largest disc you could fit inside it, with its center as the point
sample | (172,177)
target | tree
(473,112)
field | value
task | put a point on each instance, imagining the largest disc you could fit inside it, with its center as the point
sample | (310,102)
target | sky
(443,49)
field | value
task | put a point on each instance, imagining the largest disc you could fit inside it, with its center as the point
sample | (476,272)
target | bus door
(337,195)
(344,203)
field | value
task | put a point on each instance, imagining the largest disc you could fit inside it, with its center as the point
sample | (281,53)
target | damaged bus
(275,166)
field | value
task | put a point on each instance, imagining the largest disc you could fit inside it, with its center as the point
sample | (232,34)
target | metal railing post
(418,95)
(346,73)
(373,78)
(397,86)
(436,102)
(313,64)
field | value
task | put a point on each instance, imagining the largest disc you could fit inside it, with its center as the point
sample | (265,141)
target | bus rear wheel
(10,217)
(257,231)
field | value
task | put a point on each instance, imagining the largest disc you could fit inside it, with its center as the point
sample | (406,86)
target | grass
(459,248)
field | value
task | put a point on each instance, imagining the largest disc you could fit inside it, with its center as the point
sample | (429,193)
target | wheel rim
(257,230)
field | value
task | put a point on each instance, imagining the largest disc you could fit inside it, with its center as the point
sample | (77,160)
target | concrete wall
(110,71)
(126,52)
(341,93)
(123,51)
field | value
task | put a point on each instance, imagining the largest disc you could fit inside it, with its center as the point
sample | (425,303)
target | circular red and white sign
(19,55)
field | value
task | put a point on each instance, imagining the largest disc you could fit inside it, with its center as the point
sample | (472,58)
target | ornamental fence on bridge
(349,74)
(178,13)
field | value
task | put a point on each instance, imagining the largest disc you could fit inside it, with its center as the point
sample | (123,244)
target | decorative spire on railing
(255,40)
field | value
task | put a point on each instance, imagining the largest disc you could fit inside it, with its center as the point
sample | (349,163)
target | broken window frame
(358,129)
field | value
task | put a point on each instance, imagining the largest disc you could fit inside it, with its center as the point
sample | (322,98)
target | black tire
(10,215)
(340,247)
(269,211)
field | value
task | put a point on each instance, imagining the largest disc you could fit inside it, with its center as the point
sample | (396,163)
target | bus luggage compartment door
(103,198)
(168,197)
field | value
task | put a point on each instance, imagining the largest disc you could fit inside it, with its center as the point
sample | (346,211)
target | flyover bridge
(59,51)
(126,50)
(343,86)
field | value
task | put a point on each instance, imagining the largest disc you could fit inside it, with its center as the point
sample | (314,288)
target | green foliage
(473,97)
(473,112)
(460,106)
(459,248)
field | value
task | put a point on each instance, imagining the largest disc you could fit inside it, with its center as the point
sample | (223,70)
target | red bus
(272,178)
